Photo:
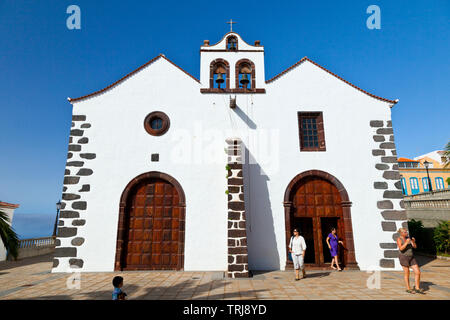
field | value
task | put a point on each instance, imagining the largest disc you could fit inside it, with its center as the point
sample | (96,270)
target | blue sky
(42,63)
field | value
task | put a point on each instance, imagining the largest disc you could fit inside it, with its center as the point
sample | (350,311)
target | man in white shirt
(297,248)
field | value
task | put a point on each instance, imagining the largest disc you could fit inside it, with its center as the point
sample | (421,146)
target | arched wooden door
(151,225)
(314,202)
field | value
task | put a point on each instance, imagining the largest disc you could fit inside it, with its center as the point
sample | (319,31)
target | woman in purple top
(333,243)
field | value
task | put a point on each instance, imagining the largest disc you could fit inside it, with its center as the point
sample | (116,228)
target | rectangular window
(425,184)
(439,183)
(312,137)
(414,185)
(405,191)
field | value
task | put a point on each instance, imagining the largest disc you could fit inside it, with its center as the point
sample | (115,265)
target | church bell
(245,81)
(219,79)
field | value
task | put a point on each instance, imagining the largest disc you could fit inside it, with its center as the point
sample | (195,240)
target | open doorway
(327,224)
(305,227)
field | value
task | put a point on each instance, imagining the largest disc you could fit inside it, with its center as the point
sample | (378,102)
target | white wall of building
(199,124)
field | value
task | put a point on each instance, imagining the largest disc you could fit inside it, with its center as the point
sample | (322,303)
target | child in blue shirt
(118,294)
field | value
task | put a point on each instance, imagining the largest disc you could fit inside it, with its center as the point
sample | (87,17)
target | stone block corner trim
(237,230)
(74,190)
(386,166)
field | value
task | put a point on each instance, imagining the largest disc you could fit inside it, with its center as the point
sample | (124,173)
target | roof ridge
(9,205)
(333,74)
(129,75)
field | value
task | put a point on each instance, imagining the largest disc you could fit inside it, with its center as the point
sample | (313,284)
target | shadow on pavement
(5,265)
(317,274)
(198,291)
(423,260)
(185,290)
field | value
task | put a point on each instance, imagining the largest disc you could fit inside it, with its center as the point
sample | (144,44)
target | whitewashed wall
(123,150)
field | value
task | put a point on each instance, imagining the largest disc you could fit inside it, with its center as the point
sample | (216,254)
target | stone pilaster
(73,207)
(237,231)
(390,204)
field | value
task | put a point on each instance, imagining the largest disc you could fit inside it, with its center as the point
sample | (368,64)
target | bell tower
(232,66)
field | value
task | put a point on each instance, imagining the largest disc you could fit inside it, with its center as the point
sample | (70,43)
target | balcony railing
(35,247)
(439,199)
(37,242)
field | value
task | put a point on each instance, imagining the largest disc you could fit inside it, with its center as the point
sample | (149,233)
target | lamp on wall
(58,207)
(232,102)
(426,164)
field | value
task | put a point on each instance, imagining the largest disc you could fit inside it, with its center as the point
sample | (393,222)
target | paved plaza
(31,279)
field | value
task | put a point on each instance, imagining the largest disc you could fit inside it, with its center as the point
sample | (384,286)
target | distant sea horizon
(33,225)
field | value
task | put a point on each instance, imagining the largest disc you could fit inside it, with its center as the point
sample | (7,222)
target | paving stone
(180,285)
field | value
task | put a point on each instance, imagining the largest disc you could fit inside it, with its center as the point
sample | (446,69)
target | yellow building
(414,174)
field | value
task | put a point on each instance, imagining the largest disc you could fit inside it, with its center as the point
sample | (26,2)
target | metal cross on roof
(231,24)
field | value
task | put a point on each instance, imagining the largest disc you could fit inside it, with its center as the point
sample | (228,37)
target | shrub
(416,229)
(423,236)
(8,236)
(442,237)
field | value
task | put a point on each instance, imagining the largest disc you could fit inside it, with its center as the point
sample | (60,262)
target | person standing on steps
(297,248)
(333,244)
(406,256)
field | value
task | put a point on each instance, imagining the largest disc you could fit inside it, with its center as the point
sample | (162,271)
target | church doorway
(151,224)
(315,202)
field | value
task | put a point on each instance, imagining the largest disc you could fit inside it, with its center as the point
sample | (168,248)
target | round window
(156,123)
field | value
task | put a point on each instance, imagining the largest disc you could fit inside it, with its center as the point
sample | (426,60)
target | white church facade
(166,171)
